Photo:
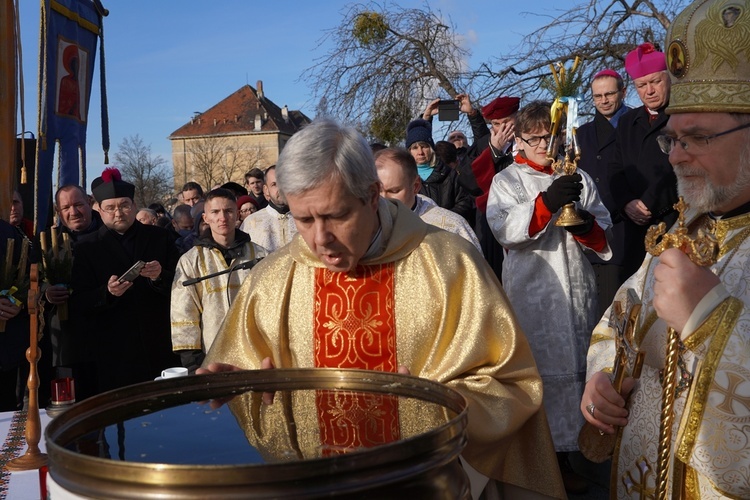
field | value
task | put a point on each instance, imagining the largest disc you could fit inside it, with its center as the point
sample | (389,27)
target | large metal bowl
(160,443)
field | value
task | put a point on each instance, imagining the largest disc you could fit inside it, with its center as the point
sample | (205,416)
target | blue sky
(166,59)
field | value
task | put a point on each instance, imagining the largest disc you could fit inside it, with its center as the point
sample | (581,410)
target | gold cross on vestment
(640,486)
(730,394)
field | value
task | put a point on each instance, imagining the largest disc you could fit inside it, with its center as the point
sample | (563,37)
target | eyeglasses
(457,138)
(535,140)
(247,210)
(599,97)
(695,143)
(124,208)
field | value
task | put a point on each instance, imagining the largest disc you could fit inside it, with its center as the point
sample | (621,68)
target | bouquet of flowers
(57,264)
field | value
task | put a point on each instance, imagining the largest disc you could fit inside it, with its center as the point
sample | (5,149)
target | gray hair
(149,211)
(326,150)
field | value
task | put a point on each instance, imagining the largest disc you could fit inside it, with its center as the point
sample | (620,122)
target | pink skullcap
(644,60)
(608,72)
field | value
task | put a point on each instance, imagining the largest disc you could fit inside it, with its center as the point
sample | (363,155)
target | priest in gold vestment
(706,450)
(367,284)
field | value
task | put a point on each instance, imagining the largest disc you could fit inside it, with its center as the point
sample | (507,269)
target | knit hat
(644,60)
(110,185)
(246,199)
(708,58)
(500,108)
(419,130)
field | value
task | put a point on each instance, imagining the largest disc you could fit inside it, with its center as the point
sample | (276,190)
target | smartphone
(132,273)
(448,110)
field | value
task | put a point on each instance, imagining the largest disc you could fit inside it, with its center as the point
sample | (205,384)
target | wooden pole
(7,105)
(33,458)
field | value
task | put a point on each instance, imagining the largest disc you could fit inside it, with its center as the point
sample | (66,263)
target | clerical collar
(282,209)
(741,210)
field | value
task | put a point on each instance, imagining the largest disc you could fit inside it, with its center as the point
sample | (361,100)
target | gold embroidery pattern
(354,323)
(697,400)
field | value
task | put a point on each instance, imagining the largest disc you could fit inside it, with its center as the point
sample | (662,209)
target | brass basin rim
(69,424)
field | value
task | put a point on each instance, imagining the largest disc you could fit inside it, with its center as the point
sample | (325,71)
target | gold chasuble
(354,329)
(426,300)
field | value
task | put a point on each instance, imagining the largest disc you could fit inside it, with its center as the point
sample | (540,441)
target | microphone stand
(245,265)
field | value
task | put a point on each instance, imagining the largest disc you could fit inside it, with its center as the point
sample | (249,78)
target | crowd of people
(446,257)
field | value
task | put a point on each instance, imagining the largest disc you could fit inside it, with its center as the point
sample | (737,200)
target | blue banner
(69,33)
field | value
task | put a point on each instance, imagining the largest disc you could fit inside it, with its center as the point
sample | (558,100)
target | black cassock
(128,336)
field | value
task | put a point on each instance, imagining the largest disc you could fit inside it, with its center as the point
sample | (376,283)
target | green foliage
(388,121)
(370,28)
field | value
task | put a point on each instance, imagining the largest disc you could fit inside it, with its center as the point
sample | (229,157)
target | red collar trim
(539,168)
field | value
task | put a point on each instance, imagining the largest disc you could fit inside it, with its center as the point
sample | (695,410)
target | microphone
(244,265)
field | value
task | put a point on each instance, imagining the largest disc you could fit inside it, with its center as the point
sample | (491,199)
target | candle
(54,243)
(43,241)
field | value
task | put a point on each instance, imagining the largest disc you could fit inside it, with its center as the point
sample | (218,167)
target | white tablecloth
(18,485)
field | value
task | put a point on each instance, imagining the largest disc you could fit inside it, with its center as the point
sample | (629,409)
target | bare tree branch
(220,159)
(150,175)
(601,33)
(382,50)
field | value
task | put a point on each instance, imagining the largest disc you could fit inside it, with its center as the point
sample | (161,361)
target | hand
(151,270)
(57,294)
(638,212)
(680,286)
(8,310)
(218,368)
(563,190)
(403,370)
(464,104)
(588,224)
(502,136)
(116,288)
(609,406)
(431,109)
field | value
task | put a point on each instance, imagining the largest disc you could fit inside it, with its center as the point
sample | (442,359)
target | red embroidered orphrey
(355,328)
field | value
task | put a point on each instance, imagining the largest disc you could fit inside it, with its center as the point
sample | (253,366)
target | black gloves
(563,190)
(584,228)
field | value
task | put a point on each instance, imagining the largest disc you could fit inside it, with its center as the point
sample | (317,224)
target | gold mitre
(708,57)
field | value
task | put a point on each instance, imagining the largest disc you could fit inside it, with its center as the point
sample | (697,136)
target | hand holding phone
(132,273)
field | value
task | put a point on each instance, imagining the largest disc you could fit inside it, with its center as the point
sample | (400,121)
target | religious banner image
(72,68)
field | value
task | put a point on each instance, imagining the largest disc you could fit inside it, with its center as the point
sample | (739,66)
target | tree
(149,174)
(385,52)
(217,160)
(600,32)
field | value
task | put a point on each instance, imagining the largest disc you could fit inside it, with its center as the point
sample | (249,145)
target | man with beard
(707,139)
(273,226)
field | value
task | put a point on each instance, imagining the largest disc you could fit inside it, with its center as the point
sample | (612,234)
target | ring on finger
(591,408)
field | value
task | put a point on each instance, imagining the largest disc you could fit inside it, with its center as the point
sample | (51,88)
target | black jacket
(130,335)
(444,188)
(640,170)
(596,155)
